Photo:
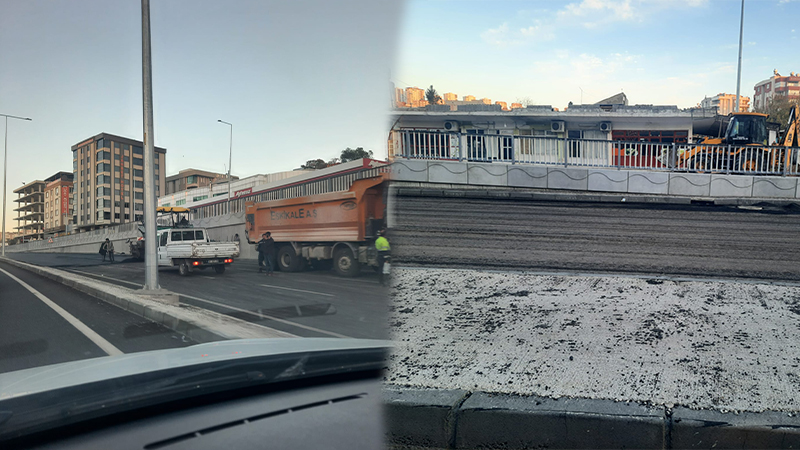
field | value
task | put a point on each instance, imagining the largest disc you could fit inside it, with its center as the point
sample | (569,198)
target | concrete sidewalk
(517,360)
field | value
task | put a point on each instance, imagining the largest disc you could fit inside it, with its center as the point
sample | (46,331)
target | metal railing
(548,150)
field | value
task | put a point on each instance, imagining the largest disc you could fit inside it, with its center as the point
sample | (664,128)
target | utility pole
(739,72)
(5,176)
(230,161)
(150,261)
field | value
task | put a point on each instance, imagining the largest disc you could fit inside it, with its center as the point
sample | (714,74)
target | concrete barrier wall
(595,179)
(221,228)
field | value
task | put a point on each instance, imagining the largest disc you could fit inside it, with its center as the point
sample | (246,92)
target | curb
(464,420)
(407,189)
(198,324)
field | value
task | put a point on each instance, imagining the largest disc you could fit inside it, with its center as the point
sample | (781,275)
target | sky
(665,52)
(299,80)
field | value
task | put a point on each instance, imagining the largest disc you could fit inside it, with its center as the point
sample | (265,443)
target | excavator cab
(747,129)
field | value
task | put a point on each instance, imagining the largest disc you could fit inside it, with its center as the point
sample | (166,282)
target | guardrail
(547,150)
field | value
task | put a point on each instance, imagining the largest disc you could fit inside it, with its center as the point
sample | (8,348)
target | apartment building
(726,103)
(787,86)
(192,179)
(58,202)
(108,178)
(30,212)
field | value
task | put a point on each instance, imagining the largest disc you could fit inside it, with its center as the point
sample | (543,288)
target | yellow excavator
(745,147)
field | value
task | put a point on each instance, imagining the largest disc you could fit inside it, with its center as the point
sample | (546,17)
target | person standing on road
(108,249)
(382,245)
(266,251)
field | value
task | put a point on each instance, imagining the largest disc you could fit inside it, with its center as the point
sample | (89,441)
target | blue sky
(299,80)
(671,52)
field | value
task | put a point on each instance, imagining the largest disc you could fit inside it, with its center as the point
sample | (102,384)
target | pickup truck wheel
(345,263)
(183,269)
(219,269)
(288,261)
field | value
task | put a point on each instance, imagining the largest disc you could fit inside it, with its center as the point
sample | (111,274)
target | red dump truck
(337,227)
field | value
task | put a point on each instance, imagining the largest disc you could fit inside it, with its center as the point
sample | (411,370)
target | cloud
(602,12)
(503,36)
(497,36)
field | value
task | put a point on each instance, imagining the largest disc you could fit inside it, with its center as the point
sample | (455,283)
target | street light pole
(150,255)
(230,160)
(739,71)
(5,176)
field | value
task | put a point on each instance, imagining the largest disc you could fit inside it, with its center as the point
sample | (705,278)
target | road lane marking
(245,311)
(99,275)
(264,316)
(297,290)
(82,327)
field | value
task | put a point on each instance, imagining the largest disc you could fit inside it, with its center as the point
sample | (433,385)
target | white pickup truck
(190,248)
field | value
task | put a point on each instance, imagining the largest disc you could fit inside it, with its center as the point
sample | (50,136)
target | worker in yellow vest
(382,245)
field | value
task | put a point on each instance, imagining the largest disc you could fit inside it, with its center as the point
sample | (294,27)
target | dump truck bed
(333,217)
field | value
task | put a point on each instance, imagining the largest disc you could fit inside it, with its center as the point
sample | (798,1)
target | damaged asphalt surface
(725,346)
(719,345)
(591,237)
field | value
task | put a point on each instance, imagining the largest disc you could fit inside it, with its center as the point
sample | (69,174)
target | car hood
(57,376)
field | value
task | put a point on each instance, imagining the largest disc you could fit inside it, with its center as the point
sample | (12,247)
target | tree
(350,154)
(525,101)
(778,109)
(314,164)
(432,96)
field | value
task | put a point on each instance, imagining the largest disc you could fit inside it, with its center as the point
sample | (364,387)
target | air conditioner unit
(605,126)
(451,125)
(557,126)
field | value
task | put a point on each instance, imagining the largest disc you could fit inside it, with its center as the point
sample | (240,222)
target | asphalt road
(33,334)
(598,238)
(309,304)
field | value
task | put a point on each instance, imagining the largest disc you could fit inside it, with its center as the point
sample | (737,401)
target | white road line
(88,332)
(264,316)
(297,290)
(97,275)
(252,313)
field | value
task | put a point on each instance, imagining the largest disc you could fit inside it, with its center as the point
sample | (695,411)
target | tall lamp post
(230,159)
(739,70)
(150,252)
(5,176)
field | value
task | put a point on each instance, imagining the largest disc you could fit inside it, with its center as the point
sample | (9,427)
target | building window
(165,205)
(103,167)
(180,202)
(103,179)
(138,173)
(138,184)
(101,191)
(191,179)
(137,162)
(104,156)
(116,193)
(138,195)
(116,156)
(101,143)
(197,199)
(137,150)
(126,158)
(138,207)
(116,216)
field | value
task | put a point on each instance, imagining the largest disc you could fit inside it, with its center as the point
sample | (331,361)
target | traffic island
(162,307)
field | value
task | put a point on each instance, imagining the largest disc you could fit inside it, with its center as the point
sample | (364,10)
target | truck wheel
(288,261)
(183,269)
(219,269)
(345,263)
